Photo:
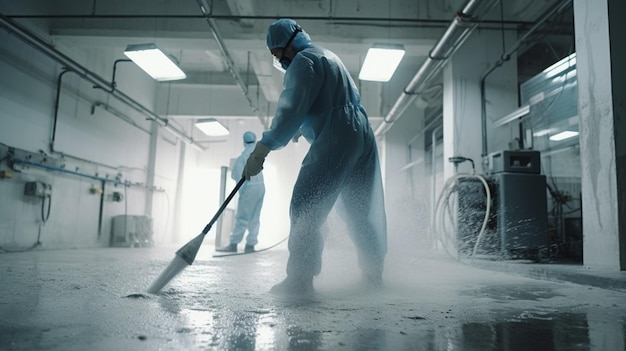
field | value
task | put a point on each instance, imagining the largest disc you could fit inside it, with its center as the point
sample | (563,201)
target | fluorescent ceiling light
(211,127)
(381,62)
(154,62)
(542,132)
(563,135)
(561,66)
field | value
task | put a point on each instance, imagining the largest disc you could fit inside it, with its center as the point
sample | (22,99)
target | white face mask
(284,62)
(277,64)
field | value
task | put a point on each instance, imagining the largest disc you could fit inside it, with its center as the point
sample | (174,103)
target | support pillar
(600,57)
(462,128)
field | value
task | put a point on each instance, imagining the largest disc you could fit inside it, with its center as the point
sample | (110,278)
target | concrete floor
(83,300)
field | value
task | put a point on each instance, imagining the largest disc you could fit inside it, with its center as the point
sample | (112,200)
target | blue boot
(228,248)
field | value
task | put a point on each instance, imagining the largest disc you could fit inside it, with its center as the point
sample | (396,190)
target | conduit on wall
(232,67)
(554,9)
(465,21)
(24,34)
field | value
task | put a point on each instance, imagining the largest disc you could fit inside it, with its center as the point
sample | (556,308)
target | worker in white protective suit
(321,101)
(250,201)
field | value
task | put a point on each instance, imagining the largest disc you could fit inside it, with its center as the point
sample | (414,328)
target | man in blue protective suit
(321,101)
(250,202)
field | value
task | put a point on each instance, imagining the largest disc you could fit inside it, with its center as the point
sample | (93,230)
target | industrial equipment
(131,231)
(517,225)
(520,203)
(519,161)
(472,204)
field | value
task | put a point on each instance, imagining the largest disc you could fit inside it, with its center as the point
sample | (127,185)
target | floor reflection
(254,331)
(562,332)
(72,303)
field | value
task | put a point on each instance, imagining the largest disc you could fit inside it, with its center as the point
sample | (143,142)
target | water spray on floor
(187,254)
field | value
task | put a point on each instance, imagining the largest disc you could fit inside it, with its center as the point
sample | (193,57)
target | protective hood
(249,137)
(279,32)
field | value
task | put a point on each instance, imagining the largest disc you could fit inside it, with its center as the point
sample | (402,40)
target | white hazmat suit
(250,201)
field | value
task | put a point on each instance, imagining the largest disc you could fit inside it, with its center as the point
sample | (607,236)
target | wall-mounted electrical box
(39,189)
(117,196)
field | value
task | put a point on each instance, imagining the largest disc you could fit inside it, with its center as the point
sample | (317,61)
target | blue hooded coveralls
(251,196)
(321,100)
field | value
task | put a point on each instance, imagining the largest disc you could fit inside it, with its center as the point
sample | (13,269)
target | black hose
(43,202)
(44,218)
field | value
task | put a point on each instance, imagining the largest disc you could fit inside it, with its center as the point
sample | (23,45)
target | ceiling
(213,39)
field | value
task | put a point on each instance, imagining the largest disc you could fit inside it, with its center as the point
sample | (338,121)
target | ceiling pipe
(24,34)
(412,22)
(464,22)
(232,67)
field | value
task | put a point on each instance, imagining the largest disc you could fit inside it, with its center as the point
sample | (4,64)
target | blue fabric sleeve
(238,167)
(240,162)
(301,87)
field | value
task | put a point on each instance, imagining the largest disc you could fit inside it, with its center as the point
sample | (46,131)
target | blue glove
(254,164)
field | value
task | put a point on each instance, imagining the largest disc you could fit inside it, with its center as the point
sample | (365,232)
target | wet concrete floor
(94,300)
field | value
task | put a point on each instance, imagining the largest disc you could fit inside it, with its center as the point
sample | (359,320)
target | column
(600,61)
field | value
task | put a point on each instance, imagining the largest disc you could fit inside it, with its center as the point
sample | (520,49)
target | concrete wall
(407,188)
(462,99)
(599,57)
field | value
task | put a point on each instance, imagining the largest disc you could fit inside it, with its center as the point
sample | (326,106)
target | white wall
(91,146)
(113,140)
(407,190)
(202,179)
(462,99)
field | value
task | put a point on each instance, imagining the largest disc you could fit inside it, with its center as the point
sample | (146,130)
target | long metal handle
(219,212)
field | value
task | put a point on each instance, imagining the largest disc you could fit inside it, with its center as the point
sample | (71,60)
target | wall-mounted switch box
(37,189)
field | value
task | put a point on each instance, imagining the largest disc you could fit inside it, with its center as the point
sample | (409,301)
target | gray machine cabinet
(131,231)
(522,215)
